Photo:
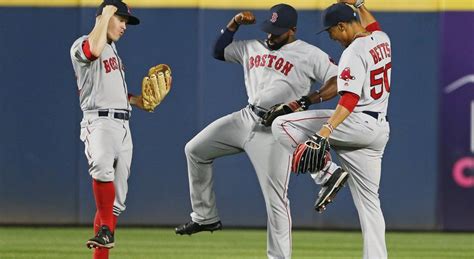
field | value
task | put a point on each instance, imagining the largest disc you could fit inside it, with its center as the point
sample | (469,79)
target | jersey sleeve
(375,26)
(351,73)
(235,51)
(324,66)
(80,51)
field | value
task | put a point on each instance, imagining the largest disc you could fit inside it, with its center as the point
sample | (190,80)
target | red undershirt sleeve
(349,100)
(87,51)
(375,26)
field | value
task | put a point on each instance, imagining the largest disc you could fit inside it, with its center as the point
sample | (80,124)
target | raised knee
(190,148)
(277,124)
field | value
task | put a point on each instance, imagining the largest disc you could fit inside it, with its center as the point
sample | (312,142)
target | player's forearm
(136,100)
(222,42)
(98,36)
(339,115)
(326,92)
(232,25)
(366,17)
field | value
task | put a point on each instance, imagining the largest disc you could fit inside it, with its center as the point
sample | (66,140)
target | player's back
(375,53)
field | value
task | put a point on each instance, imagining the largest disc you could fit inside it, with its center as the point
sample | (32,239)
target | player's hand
(137,101)
(355,3)
(245,17)
(282,109)
(352,2)
(109,10)
(311,156)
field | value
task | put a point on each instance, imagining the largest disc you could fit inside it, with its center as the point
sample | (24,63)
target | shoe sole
(209,230)
(331,194)
(93,244)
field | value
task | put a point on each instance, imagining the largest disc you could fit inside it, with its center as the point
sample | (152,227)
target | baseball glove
(282,109)
(156,86)
(311,156)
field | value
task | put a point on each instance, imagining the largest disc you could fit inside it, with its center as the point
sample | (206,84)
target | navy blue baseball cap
(283,17)
(122,10)
(337,13)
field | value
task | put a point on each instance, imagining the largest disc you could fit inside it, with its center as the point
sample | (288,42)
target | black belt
(257,110)
(374,114)
(117,115)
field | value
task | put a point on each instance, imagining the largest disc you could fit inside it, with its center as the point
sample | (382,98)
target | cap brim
(269,27)
(323,30)
(132,20)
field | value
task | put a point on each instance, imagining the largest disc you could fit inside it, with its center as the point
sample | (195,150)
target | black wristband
(304,102)
(235,22)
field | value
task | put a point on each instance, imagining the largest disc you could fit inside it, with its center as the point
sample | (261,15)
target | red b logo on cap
(274,17)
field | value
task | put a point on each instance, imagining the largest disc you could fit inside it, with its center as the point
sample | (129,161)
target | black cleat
(103,239)
(192,227)
(330,188)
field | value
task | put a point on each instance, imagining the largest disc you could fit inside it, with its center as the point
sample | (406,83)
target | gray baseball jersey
(360,140)
(271,77)
(101,83)
(281,76)
(105,128)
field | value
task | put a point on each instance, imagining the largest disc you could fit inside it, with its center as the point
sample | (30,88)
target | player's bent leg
(122,173)
(294,128)
(220,138)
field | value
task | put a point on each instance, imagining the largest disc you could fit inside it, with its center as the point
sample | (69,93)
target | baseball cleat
(103,239)
(330,188)
(323,208)
(192,227)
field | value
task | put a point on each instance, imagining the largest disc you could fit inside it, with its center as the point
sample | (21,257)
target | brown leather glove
(156,86)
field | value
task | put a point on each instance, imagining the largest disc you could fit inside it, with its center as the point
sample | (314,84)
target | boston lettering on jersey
(110,64)
(380,52)
(271,61)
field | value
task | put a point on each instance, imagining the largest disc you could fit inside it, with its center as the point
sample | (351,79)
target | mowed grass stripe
(150,243)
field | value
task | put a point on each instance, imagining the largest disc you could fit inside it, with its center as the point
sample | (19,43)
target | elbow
(94,53)
(218,55)
(218,52)
(90,52)
(95,50)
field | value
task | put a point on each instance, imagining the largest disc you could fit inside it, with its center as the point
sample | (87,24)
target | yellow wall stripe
(376,5)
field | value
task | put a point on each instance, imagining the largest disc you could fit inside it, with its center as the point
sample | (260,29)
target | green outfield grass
(137,243)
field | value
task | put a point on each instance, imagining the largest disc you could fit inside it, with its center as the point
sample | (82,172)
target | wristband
(304,102)
(328,126)
(358,3)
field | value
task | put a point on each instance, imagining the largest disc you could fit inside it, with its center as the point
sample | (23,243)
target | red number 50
(377,80)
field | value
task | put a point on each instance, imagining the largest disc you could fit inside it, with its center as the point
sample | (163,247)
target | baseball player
(106,108)
(357,129)
(277,70)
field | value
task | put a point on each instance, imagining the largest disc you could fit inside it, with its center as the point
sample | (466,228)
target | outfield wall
(43,172)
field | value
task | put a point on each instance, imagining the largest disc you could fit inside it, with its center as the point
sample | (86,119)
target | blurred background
(428,169)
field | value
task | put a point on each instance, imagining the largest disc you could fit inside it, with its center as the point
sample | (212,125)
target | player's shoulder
(248,41)
(380,34)
(354,50)
(246,44)
(308,48)
(79,40)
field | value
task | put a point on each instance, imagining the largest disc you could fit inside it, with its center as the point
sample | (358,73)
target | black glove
(282,109)
(311,156)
